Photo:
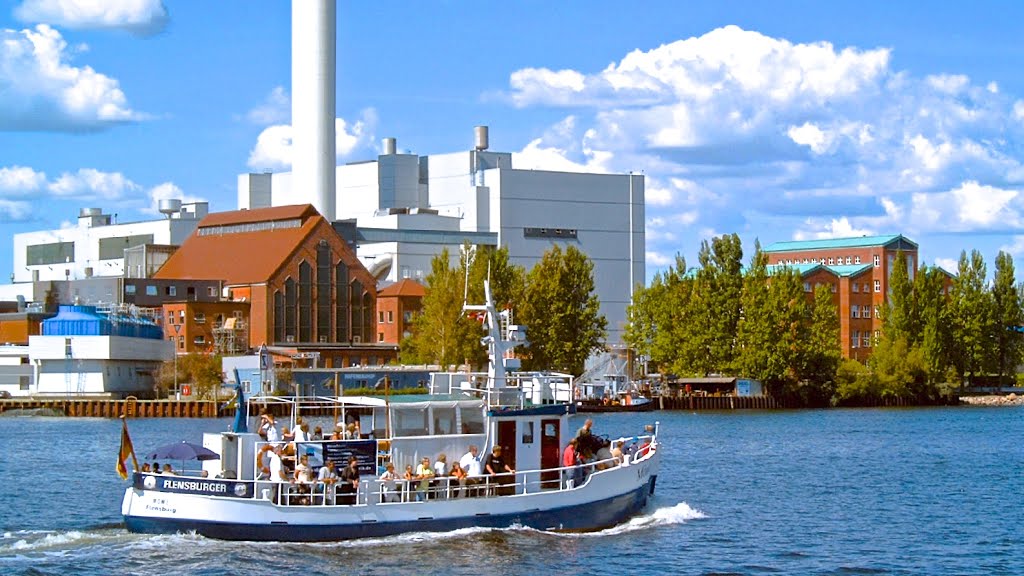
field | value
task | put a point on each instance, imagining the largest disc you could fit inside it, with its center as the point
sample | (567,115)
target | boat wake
(27,541)
(666,516)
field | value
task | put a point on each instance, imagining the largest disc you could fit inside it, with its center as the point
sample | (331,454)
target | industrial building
(401,210)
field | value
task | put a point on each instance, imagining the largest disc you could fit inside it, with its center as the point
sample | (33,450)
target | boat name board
(197,486)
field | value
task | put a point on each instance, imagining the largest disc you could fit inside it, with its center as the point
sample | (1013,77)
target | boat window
(410,422)
(472,420)
(444,420)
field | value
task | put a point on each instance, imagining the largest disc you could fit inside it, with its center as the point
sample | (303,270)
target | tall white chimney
(314,46)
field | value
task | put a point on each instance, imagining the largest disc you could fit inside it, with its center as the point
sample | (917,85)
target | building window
(391,317)
(129,289)
(181,342)
(878,285)
(323,291)
(832,287)
(341,299)
(867,311)
(380,336)
(865,340)
(290,298)
(172,290)
(848,262)
(807,286)
(355,298)
(407,317)
(200,340)
(279,308)
(877,261)
(854,311)
(867,288)
(831,260)
(380,317)
(237,314)
(305,302)
(877,335)
(876,311)
(855,341)
(855,287)
(151,290)
(211,291)
(170,316)
(856,260)
(200,318)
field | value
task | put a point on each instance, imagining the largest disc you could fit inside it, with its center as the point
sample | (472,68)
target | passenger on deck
(501,473)
(389,484)
(459,479)
(470,462)
(326,478)
(349,484)
(571,460)
(318,434)
(424,474)
(145,467)
(585,431)
(168,470)
(301,430)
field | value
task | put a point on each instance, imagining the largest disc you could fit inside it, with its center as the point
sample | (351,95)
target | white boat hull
(607,498)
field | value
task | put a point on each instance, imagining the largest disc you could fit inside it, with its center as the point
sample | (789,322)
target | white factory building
(406,208)
(100,247)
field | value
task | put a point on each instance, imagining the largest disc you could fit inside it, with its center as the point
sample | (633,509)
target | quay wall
(110,408)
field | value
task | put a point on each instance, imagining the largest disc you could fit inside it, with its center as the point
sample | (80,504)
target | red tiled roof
(241,257)
(404,287)
(258,215)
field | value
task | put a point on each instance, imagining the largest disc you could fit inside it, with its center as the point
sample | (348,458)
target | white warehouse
(97,245)
(408,207)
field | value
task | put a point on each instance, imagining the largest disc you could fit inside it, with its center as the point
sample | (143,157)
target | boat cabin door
(550,452)
(507,440)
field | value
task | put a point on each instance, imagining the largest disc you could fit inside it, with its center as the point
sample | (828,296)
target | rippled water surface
(924,491)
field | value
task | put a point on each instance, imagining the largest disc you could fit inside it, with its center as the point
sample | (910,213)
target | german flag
(126,450)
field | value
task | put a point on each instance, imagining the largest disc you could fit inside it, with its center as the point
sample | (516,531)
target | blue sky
(774,120)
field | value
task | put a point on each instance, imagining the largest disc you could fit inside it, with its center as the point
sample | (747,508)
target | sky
(773,120)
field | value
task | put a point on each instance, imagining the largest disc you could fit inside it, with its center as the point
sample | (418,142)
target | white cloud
(142,17)
(658,259)
(275,108)
(166,191)
(90,184)
(1016,248)
(43,92)
(20,180)
(948,264)
(948,83)
(834,228)
(811,136)
(14,210)
(273,150)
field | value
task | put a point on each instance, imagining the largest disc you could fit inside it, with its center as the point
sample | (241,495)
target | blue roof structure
(85,321)
(845,271)
(858,242)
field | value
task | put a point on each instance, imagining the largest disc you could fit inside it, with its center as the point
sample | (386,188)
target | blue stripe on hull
(592,516)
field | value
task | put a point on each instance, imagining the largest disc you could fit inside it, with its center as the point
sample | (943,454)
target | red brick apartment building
(307,292)
(857,270)
(397,305)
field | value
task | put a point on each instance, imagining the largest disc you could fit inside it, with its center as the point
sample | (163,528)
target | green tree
(899,315)
(789,312)
(1007,315)
(935,343)
(203,372)
(821,353)
(562,312)
(719,287)
(899,370)
(755,330)
(970,318)
(441,332)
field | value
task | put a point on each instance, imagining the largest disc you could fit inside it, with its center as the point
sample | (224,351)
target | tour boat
(516,411)
(612,393)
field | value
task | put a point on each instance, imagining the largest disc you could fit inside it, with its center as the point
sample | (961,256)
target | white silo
(314,41)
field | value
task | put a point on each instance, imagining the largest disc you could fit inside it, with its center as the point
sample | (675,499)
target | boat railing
(384,492)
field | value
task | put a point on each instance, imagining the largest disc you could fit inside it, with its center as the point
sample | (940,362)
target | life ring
(186,390)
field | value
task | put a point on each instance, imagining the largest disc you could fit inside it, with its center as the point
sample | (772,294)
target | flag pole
(131,446)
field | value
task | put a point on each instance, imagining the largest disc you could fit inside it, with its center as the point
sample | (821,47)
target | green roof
(858,242)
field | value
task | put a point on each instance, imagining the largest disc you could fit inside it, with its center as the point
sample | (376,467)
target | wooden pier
(108,408)
(695,402)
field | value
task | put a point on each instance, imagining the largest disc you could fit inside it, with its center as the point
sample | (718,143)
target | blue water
(916,491)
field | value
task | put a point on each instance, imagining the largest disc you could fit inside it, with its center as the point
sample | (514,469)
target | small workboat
(612,393)
(513,415)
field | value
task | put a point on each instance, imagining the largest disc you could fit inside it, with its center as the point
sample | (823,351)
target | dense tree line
(555,301)
(719,318)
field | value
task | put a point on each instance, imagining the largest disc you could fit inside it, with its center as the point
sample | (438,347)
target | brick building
(210,327)
(307,292)
(397,305)
(857,270)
